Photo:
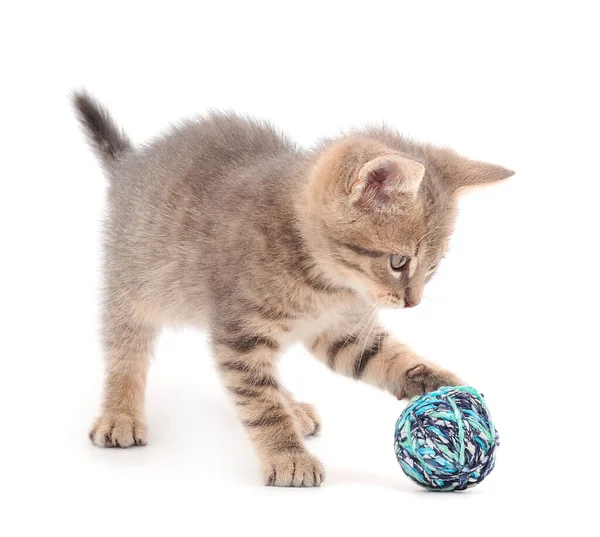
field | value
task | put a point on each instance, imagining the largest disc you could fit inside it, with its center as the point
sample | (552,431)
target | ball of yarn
(445,440)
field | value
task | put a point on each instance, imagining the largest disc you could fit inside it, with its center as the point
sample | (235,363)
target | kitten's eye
(432,269)
(399,262)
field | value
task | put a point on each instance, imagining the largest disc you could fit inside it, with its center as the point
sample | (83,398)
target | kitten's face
(389,262)
(387,218)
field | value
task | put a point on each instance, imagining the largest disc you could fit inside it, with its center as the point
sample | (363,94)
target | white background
(513,309)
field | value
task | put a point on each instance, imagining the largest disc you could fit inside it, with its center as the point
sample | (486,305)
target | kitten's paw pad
(118,429)
(308,418)
(425,378)
(293,470)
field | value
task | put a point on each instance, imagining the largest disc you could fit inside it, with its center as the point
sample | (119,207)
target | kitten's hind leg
(247,364)
(128,345)
(306,415)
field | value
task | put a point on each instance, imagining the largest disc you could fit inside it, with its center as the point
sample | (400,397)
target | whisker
(428,233)
(360,323)
(367,334)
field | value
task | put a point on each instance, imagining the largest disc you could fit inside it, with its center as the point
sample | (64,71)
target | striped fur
(379,359)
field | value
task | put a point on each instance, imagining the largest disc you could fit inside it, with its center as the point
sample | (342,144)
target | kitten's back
(180,204)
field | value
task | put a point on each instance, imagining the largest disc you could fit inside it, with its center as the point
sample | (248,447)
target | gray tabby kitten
(226,224)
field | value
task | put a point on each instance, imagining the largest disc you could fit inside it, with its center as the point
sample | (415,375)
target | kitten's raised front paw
(425,378)
(293,470)
(307,417)
(119,429)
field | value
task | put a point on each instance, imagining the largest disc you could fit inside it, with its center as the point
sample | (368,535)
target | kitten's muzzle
(412,297)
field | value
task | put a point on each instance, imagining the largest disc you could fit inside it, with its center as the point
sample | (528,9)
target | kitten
(224,223)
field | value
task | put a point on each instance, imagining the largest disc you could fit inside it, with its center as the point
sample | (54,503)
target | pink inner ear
(379,175)
(376,184)
(387,176)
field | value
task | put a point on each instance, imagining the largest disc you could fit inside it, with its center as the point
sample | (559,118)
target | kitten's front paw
(119,429)
(293,470)
(425,378)
(307,417)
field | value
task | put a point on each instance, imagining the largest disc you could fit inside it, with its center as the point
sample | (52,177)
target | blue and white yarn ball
(445,440)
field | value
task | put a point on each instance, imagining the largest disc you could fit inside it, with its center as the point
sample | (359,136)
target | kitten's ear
(460,172)
(381,178)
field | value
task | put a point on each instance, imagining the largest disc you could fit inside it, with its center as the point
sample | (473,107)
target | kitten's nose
(412,297)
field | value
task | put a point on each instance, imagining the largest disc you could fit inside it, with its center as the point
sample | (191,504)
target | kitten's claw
(425,378)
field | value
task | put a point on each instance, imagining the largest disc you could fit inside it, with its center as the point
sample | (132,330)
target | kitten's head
(383,209)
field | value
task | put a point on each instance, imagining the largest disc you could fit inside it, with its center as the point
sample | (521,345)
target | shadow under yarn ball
(445,440)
